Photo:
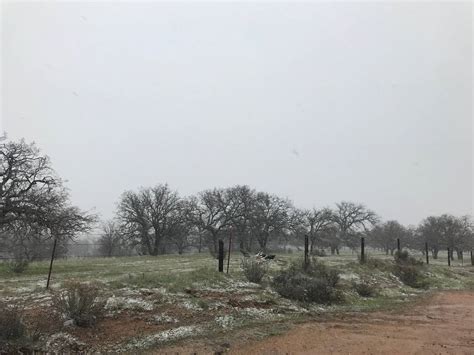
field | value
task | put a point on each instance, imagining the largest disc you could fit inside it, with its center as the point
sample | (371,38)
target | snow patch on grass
(165,336)
(226,321)
(162,319)
(124,303)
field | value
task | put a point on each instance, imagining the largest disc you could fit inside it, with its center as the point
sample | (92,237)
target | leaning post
(51,263)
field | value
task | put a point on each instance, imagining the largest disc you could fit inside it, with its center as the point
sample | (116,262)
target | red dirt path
(442,324)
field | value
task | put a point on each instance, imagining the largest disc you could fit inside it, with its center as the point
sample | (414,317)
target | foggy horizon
(316,102)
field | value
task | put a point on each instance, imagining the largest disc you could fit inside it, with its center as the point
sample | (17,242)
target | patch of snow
(257,313)
(62,342)
(25,289)
(122,303)
(163,319)
(349,276)
(226,322)
(165,336)
(191,306)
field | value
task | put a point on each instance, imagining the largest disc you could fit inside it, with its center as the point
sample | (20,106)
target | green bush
(308,282)
(374,263)
(404,257)
(364,288)
(79,302)
(409,270)
(254,270)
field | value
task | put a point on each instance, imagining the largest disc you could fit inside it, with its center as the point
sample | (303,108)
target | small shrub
(311,282)
(411,275)
(409,270)
(364,288)
(374,263)
(404,257)
(18,265)
(254,270)
(11,323)
(79,302)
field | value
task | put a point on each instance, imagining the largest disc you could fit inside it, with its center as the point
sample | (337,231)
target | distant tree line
(158,220)
(35,209)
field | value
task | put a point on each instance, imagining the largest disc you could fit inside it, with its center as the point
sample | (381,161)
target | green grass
(177,272)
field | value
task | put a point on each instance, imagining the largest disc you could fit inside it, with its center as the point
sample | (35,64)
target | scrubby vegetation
(308,282)
(254,270)
(79,302)
(410,270)
(365,288)
(12,326)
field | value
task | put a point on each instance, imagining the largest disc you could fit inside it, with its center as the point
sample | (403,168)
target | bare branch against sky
(319,102)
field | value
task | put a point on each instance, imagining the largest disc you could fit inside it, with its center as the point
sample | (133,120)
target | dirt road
(442,324)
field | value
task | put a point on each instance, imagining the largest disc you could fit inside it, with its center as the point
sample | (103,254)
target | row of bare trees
(439,232)
(35,209)
(152,219)
(157,220)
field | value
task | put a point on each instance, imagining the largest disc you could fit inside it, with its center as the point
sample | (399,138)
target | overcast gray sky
(318,102)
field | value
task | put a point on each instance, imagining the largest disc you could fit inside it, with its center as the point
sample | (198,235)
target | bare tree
(25,175)
(270,217)
(148,216)
(446,231)
(112,241)
(385,236)
(34,206)
(215,211)
(352,218)
(242,222)
(318,221)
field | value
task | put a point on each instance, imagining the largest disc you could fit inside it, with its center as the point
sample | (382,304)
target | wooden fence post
(362,250)
(427,254)
(398,246)
(230,247)
(306,250)
(449,257)
(51,263)
(221,256)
